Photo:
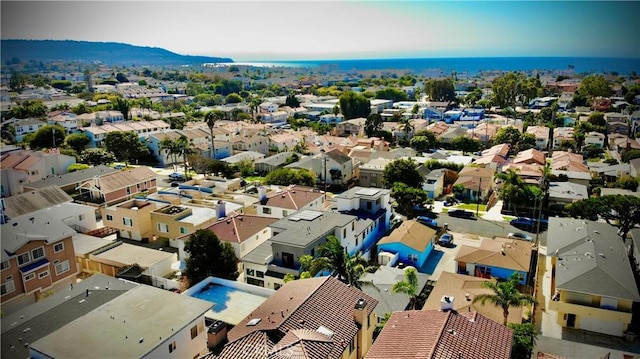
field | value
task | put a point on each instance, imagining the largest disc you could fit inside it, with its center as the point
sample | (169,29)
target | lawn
(472,207)
(251,179)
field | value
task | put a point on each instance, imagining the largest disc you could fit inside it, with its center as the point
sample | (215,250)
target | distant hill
(105,52)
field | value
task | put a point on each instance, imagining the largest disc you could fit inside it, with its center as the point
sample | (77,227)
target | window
(127,221)
(37,253)
(356,241)
(5,265)
(128,190)
(8,286)
(62,267)
(412,257)
(259,274)
(29,276)
(184,230)
(352,346)
(81,217)
(194,332)
(353,226)
(172,347)
(109,217)
(368,321)
(163,228)
(276,286)
(43,274)
(24,258)
(58,247)
(369,205)
(344,233)
(251,272)
(285,213)
(266,210)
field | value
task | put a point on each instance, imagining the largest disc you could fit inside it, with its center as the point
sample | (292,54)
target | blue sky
(299,30)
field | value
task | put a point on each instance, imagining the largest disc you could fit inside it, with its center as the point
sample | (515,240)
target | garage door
(601,326)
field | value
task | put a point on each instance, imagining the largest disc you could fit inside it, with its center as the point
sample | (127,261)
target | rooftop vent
(446,303)
(253,322)
(324,330)
(360,304)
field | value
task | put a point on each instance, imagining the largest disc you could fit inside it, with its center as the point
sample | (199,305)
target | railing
(595,312)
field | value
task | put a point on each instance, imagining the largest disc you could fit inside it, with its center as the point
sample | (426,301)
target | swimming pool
(230,305)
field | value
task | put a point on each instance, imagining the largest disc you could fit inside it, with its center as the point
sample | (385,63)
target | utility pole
(53,136)
(478,199)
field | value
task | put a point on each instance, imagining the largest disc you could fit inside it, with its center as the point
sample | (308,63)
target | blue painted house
(497,258)
(411,241)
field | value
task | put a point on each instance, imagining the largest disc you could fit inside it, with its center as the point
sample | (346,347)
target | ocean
(470,65)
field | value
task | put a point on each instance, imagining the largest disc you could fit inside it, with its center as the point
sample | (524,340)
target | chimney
(360,311)
(220,209)
(262,194)
(446,303)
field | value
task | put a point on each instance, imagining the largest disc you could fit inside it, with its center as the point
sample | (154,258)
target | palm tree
(407,127)
(183,148)
(211,118)
(348,268)
(505,295)
(408,286)
(356,268)
(169,145)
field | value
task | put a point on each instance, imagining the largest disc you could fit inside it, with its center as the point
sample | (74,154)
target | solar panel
(368,192)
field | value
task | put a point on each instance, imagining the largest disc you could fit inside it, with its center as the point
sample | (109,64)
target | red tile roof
(294,197)
(238,228)
(434,334)
(290,318)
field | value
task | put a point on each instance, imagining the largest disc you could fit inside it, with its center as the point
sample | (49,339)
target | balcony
(594,312)
(283,270)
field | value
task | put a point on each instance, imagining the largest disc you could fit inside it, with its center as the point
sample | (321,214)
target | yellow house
(131,218)
(175,221)
(593,287)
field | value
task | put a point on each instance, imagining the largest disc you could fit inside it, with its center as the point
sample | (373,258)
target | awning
(34,265)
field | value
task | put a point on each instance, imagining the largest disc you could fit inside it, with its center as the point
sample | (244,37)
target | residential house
(477,182)
(176,221)
(19,168)
(451,134)
(69,181)
(119,186)
(169,325)
(98,133)
(27,126)
(332,168)
(302,233)
(562,135)
(283,202)
(499,258)
(622,143)
(245,232)
(438,128)
(432,334)
(68,120)
(582,178)
(634,167)
(563,193)
(275,117)
(32,201)
(412,242)
(530,156)
(279,142)
(541,134)
(568,161)
(351,127)
(593,287)
(460,290)
(375,143)
(384,278)
(37,256)
(131,218)
(379,105)
(268,164)
(485,131)
(434,182)
(594,139)
(530,173)
(322,316)
(243,156)
(501,149)
(368,204)
(362,155)
(331,119)
(257,142)
(491,161)
(609,173)
(617,122)
(634,121)
(371,173)
(268,107)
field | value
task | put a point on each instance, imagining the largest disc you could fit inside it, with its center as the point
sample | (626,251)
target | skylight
(253,322)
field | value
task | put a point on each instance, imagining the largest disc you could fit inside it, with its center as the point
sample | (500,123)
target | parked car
(176,176)
(427,221)
(460,213)
(519,235)
(119,166)
(528,223)
(446,240)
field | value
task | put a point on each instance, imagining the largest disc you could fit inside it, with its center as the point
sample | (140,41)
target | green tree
(402,170)
(509,135)
(208,256)
(77,141)
(171,147)
(124,106)
(524,340)
(301,148)
(77,167)
(505,295)
(121,77)
(334,258)
(506,89)
(408,197)
(440,89)
(354,105)
(292,101)
(627,182)
(630,155)
(289,176)
(17,82)
(466,144)
(245,167)
(594,86)
(233,98)
(623,210)
(391,93)
(473,97)
(211,118)
(527,141)
(27,109)
(597,119)
(125,145)
(97,156)
(49,136)
(373,125)
(292,159)
(408,286)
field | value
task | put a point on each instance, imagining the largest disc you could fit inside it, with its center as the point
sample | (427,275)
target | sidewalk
(493,214)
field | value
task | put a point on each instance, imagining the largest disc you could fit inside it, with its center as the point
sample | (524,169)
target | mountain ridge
(112,53)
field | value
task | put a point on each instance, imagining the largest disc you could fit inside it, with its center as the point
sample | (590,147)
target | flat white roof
(84,244)
(200,215)
(115,329)
(129,254)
